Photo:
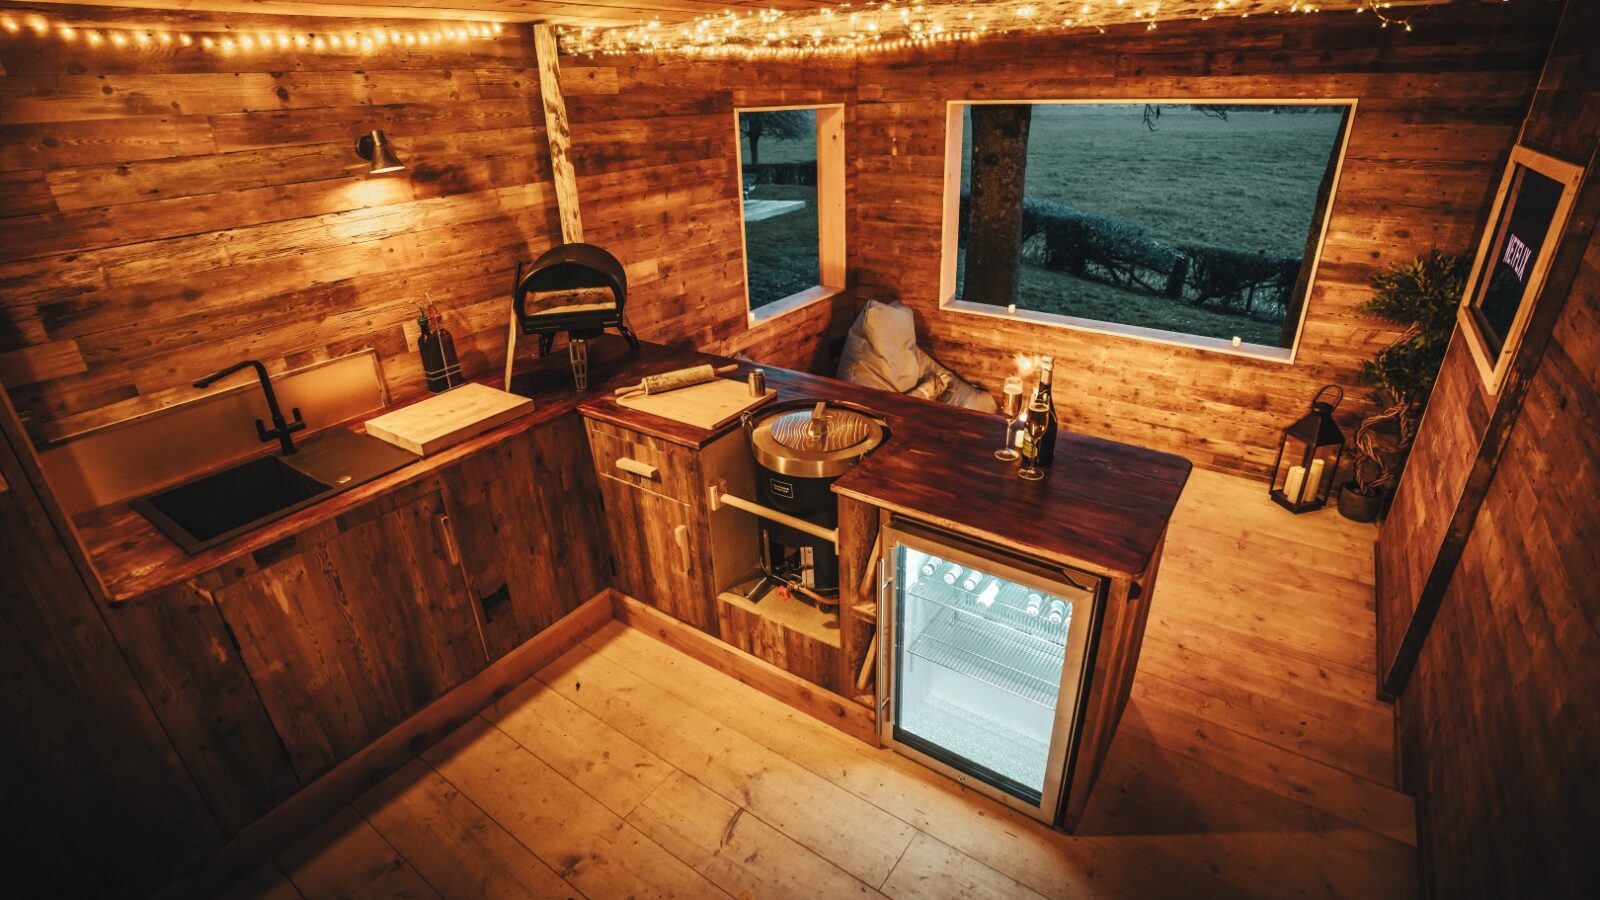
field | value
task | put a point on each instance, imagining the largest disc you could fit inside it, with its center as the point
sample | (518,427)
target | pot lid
(817,441)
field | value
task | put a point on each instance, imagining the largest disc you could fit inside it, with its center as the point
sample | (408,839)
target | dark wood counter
(1104,505)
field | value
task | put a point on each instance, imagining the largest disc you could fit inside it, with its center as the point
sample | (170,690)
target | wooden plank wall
(656,150)
(1498,719)
(172,210)
(1435,475)
(1439,108)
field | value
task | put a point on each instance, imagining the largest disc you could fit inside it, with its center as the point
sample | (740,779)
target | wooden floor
(1253,761)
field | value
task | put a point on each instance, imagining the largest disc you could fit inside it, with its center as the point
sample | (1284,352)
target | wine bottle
(447,347)
(1058,612)
(1047,442)
(952,573)
(1034,602)
(433,367)
(932,565)
(970,583)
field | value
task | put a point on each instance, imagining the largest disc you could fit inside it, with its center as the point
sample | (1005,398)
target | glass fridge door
(987,664)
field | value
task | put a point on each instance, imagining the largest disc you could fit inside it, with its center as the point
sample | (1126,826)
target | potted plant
(1421,295)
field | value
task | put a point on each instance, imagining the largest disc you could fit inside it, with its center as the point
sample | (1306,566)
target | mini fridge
(986,664)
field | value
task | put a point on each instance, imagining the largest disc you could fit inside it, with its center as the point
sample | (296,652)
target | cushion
(881,349)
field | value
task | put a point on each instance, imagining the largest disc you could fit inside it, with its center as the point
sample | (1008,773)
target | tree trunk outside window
(994,220)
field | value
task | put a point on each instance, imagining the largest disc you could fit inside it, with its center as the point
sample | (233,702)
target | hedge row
(1121,253)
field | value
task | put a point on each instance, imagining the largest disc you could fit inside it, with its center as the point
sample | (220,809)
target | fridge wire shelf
(1008,608)
(993,654)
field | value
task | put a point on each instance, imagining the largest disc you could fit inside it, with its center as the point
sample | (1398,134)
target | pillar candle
(1293,485)
(1313,480)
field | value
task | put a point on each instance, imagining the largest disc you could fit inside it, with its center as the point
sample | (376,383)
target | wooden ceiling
(563,12)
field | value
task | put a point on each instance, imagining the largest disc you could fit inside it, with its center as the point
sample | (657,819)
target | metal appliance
(987,656)
(579,289)
(801,448)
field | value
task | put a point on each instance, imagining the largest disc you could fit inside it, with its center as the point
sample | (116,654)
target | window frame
(951,225)
(830,211)
(1493,367)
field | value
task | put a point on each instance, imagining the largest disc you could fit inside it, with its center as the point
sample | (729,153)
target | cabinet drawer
(645,462)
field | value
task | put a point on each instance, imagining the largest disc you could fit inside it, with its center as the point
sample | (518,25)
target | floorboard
(1253,761)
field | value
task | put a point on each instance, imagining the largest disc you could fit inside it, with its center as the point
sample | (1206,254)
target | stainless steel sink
(218,507)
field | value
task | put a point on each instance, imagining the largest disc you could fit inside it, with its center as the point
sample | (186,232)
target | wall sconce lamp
(374,147)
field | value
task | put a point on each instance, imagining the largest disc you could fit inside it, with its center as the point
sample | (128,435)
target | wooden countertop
(1104,505)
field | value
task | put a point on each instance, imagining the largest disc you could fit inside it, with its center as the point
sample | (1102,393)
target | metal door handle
(447,535)
(635,467)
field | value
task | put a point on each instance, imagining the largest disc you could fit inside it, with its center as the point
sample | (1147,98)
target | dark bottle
(1047,441)
(447,348)
(432,350)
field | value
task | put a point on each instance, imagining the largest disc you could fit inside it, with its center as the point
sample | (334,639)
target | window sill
(1135,332)
(792,303)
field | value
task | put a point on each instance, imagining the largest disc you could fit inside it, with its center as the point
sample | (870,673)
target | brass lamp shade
(374,147)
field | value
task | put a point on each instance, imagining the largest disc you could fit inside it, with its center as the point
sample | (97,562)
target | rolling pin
(680,378)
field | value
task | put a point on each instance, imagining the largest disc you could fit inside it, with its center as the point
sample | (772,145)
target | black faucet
(281,429)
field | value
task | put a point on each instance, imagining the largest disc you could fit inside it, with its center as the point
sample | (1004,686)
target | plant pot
(1359,507)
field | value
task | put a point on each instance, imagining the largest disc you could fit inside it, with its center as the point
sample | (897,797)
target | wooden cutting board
(710,405)
(449,418)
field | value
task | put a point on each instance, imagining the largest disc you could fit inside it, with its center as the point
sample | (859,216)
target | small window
(1193,222)
(1528,215)
(791,173)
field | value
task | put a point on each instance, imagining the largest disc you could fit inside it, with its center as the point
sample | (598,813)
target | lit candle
(1295,483)
(1313,480)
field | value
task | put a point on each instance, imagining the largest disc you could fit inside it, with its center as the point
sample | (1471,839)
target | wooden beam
(1552,299)
(559,133)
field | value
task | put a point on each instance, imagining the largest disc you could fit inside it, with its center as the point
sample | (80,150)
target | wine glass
(1012,401)
(1033,428)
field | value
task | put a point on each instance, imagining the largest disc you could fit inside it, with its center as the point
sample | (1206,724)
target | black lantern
(1308,457)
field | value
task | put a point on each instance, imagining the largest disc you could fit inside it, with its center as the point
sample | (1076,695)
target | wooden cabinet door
(365,621)
(659,553)
(526,514)
(182,654)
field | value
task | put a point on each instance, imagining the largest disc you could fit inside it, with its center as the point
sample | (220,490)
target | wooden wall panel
(656,155)
(1435,475)
(1498,719)
(1438,110)
(183,209)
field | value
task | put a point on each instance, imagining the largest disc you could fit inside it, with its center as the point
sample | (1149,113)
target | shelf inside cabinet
(994,654)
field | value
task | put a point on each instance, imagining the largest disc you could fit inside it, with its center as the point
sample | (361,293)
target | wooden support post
(559,134)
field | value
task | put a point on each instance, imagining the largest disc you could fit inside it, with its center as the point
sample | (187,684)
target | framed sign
(1526,220)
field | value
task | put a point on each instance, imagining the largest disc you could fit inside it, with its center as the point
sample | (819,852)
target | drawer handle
(635,467)
(680,536)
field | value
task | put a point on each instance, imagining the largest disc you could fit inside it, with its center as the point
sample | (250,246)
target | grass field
(1248,183)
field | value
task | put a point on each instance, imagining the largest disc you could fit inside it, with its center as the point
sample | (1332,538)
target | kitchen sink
(206,511)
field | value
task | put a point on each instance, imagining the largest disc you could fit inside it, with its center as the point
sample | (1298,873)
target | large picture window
(791,173)
(1196,222)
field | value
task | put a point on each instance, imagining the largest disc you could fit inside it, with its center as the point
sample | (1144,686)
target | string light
(1386,18)
(124,38)
(888,25)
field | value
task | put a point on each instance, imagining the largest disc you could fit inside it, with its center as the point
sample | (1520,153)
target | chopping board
(448,419)
(710,405)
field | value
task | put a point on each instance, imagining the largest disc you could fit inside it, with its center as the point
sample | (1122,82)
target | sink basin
(218,507)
